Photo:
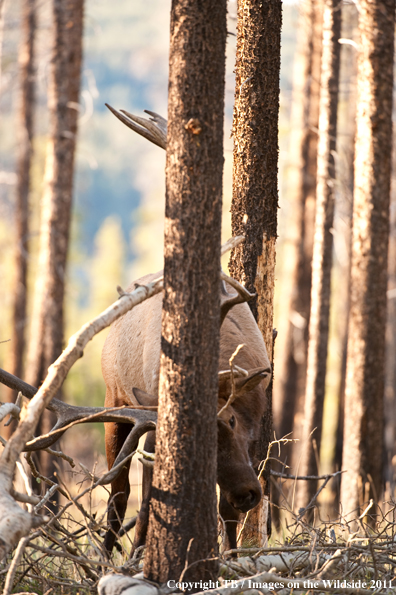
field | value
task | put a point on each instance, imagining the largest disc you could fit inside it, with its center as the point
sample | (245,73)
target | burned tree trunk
(255,184)
(363,426)
(25,134)
(323,246)
(46,334)
(182,534)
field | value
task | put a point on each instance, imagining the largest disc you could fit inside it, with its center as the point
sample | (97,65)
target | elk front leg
(115,436)
(142,520)
(230,516)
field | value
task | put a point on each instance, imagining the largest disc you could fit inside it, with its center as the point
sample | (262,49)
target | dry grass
(66,555)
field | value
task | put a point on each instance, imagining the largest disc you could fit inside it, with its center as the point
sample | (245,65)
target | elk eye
(232,422)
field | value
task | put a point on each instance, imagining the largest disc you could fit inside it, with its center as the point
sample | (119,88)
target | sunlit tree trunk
(182,533)
(322,252)
(344,205)
(390,370)
(46,333)
(25,139)
(294,301)
(255,186)
(363,427)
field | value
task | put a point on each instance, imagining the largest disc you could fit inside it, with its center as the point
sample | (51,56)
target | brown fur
(131,358)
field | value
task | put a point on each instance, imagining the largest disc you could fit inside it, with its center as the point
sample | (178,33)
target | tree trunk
(322,251)
(363,433)
(46,335)
(344,205)
(292,341)
(182,533)
(25,133)
(255,186)
(390,370)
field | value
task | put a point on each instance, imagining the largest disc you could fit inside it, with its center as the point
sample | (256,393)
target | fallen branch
(265,582)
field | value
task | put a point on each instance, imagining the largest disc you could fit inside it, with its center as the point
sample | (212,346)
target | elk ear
(144,398)
(247,383)
(243,384)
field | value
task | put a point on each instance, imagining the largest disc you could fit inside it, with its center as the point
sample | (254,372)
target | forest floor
(66,555)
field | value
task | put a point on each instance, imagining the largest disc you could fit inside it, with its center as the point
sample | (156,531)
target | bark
(390,368)
(183,511)
(255,185)
(322,251)
(390,374)
(363,433)
(46,334)
(25,134)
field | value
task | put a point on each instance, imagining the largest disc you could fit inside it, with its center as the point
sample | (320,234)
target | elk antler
(154,129)
(243,295)
(68,415)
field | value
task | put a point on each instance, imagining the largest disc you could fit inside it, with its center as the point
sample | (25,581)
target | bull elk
(130,366)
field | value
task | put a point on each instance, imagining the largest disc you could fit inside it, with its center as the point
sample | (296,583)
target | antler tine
(158,134)
(238,373)
(143,130)
(243,295)
(153,129)
(159,120)
(70,414)
(26,389)
(232,243)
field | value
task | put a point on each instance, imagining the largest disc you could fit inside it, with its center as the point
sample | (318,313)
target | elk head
(237,429)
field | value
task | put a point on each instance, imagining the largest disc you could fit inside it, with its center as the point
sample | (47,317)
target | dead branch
(9,409)
(25,498)
(15,522)
(313,499)
(234,392)
(305,477)
(11,573)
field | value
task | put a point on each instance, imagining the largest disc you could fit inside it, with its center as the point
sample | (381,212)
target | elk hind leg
(116,435)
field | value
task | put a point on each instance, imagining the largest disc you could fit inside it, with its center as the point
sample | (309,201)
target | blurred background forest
(119,189)
(118,209)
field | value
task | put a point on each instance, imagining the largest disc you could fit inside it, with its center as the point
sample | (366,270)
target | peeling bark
(255,185)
